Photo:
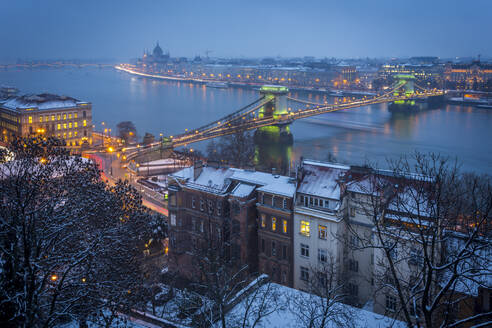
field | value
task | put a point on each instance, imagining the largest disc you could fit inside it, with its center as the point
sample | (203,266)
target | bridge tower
(407,80)
(406,84)
(277,105)
(274,142)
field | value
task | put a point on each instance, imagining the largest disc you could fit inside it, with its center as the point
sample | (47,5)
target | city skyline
(56,29)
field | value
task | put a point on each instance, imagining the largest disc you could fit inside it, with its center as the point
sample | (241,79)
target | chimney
(197,169)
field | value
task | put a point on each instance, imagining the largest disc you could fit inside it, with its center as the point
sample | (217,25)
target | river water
(353,136)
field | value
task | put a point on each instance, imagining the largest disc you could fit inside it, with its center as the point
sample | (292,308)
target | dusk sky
(353,28)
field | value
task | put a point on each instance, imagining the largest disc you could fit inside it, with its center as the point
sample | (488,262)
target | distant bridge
(52,65)
(271,110)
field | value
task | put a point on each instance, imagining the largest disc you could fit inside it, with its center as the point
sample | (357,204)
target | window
(83,114)
(69,116)
(58,117)
(353,289)
(304,273)
(210,207)
(64,135)
(64,125)
(263,245)
(59,126)
(322,232)
(64,116)
(263,220)
(75,133)
(322,279)
(70,134)
(273,201)
(202,205)
(40,119)
(52,117)
(352,211)
(74,115)
(390,303)
(322,255)
(219,208)
(70,125)
(262,198)
(193,224)
(173,219)
(284,203)
(310,201)
(304,250)
(306,199)
(30,119)
(274,223)
(85,133)
(316,202)
(75,124)
(284,252)
(84,123)
(201,226)
(353,265)
(284,226)
(274,249)
(193,205)
(305,230)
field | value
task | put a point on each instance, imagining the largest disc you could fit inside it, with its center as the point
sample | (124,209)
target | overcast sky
(40,29)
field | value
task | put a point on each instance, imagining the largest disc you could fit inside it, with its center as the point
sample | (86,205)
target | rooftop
(321,179)
(43,101)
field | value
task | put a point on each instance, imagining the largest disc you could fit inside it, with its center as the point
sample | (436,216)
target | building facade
(47,115)
(229,205)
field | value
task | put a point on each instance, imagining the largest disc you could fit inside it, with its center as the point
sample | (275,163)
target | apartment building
(319,226)
(248,211)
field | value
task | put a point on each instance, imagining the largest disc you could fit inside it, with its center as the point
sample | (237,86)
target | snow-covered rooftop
(271,183)
(286,317)
(44,101)
(321,179)
(243,190)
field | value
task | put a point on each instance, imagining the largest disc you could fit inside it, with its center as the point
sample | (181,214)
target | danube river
(353,136)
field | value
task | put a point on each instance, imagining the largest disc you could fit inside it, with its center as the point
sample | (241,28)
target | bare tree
(237,149)
(69,245)
(430,235)
(321,306)
(127,131)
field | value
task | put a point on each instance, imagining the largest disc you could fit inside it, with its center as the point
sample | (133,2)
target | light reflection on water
(353,136)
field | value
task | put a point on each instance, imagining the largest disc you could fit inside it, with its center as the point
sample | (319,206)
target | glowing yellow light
(83,280)
(110,149)
(53,277)
(42,160)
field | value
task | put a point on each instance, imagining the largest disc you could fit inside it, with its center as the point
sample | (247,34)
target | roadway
(112,172)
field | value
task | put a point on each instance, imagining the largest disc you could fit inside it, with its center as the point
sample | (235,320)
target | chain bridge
(271,109)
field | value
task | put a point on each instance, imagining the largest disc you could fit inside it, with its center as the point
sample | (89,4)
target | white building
(318,222)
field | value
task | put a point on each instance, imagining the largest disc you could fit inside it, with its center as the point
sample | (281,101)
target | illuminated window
(305,229)
(322,232)
(59,126)
(263,220)
(64,116)
(40,119)
(58,117)
(284,226)
(65,135)
(75,115)
(69,116)
(64,125)
(75,134)
(70,134)
(76,124)
(70,125)
(274,224)
(52,117)
(30,119)
(85,123)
